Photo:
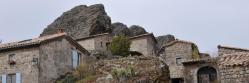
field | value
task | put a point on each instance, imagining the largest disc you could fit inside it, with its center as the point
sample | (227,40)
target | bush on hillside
(120,46)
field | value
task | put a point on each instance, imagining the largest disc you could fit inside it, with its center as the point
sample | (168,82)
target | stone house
(174,54)
(40,60)
(144,44)
(96,44)
(233,64)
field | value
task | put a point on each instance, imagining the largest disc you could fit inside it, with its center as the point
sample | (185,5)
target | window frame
(178,61)
(12,78)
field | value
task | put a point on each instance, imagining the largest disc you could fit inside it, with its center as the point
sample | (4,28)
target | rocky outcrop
(161,40)
(121,29)
(81,21)
(137,30)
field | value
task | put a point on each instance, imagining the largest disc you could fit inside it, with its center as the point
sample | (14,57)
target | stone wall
(172,52)
(144,45)
(88,44)
(137,69)
(23,59)
(94,43)
(234,74)
(56,60)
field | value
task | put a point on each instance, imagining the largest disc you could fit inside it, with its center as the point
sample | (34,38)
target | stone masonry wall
(177,50)
(234,74)
(88,44)
(55,60)
(23,59)
(104,40)
(94,44)
(144,45)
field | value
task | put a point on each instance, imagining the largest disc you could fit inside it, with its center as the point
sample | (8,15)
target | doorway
(207,75)
(177,80)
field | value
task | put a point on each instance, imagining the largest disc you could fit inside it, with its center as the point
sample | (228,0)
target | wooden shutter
(4,79)
(18,77)
(75,58)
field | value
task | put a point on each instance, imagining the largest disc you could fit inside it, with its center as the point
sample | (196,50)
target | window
(101,44)
(107,46)
(75,58)
(11,57)
(178,61)
(11,78)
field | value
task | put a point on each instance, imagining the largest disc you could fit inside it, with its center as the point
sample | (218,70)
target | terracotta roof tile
(234,59)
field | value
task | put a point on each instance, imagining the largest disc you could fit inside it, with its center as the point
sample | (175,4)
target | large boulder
(137,30)
(81,21)
(162,40)
(120,29)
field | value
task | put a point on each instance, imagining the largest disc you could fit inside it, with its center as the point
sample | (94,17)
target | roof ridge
(29,41)
(230,47)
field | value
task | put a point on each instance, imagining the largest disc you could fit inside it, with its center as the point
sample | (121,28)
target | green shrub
(195,52)
(123,72)
(120,46)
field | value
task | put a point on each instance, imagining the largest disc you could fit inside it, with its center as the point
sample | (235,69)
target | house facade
(186,63)
(174,54)
(144,44)
(40,60)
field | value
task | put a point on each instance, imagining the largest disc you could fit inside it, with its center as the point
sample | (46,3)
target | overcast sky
(207,23)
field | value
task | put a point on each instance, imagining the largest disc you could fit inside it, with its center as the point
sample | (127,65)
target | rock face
(137,30)
(121,29)
(81,21)
(161,40)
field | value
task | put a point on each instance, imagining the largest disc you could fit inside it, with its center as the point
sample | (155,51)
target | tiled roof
(200,60)
(229,47)
(234,59)
(147,34)
(177,41)
(30,41)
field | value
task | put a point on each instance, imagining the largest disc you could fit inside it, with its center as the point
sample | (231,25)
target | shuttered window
(18,77)
(3,78)
(75,57)
(11,78)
